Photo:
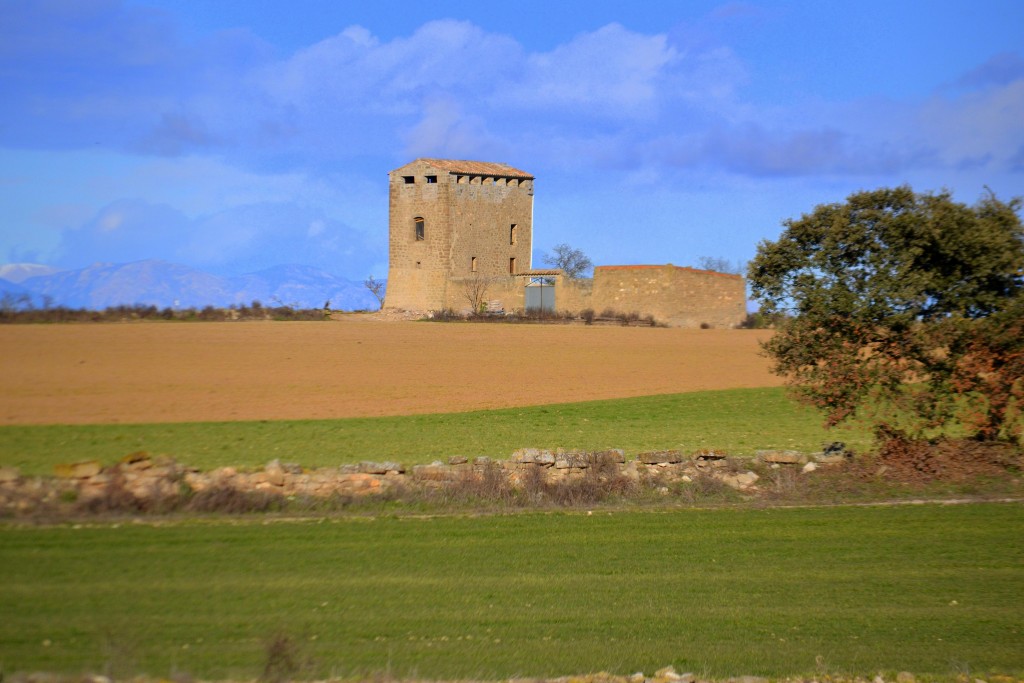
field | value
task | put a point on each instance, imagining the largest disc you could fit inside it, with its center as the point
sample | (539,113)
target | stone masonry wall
(482,219)
(679,297)
(574,295)
(418,271)
(504,289)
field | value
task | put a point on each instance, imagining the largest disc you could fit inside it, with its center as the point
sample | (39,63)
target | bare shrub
(474,291)
(589,489)
(533,484)
(488,483)
(706,488)
(446,315)
(587,314)
(601,481)
(376,288)
(231,500)
(783,482)
(114,498)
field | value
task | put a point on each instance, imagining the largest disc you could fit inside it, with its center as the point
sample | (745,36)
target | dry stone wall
(678,297)
(145,479)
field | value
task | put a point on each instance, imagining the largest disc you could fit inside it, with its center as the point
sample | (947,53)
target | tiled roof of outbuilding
(484,168)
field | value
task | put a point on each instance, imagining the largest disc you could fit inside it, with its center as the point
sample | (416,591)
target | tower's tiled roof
(484,168)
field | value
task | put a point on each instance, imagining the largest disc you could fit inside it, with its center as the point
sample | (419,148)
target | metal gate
(540,295)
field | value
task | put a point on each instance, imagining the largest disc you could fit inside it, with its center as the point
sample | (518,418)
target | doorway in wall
(540,294)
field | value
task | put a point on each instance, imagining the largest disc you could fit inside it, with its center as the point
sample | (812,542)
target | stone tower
(455,219)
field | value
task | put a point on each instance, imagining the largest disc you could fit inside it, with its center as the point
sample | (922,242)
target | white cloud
(609,72)
(984,124)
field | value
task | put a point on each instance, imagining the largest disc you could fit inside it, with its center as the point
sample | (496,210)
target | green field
(739,421)
(932,589)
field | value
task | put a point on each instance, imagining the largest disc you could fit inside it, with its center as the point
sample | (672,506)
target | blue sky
(232,135)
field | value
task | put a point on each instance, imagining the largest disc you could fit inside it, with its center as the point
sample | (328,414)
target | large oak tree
(901,307)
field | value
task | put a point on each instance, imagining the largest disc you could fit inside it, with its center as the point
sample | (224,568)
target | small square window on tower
(419,229)
(409,179)
(431,179)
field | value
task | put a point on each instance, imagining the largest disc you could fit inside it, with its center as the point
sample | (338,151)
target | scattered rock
(369,467)
(741,480)
(809,467)
(782,457)
(533,456)
(611,455)
(139,460)
(458,460)
(433,472)
(274,473)
(9,474)
(571,459)
(77,470)
(666,674)
(658,457)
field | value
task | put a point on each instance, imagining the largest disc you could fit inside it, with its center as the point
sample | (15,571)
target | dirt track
(173,372)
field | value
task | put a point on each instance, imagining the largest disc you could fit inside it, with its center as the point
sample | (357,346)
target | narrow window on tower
(419,229)
(512,266)
(472,263)
(512,234)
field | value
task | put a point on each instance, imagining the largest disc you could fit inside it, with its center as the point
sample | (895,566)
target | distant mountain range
(162,284)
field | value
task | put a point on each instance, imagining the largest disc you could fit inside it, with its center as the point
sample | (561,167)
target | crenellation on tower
(455,219)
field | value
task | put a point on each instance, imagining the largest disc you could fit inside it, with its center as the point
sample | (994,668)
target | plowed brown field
(173,372)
